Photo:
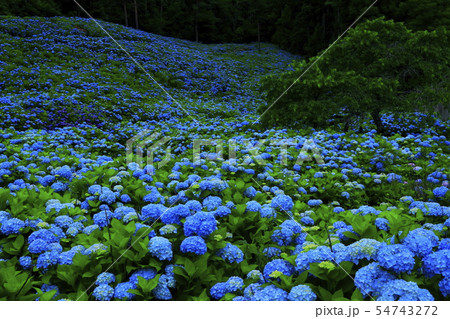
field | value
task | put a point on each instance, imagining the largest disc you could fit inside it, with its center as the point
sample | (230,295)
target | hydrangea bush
(80,222)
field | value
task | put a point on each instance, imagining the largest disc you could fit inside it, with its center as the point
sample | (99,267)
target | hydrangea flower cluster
(160,248)
(231,253)
(201,224)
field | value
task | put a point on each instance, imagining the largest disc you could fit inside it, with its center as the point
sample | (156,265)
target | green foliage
(379,66)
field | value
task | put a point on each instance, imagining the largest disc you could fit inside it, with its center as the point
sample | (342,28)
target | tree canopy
(379,66)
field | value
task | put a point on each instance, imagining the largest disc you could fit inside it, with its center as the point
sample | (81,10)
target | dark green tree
(380,66)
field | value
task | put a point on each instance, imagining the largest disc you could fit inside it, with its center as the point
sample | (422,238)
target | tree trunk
(125,12)
(347,125)
(196,31)
(443,112)
(196,22)
(377,120)
(136,14)
(259,38)
(339,21)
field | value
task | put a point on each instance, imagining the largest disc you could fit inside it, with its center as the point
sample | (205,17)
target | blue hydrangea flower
(201,224)
(447,223)
(271,252)
(102,219)
(382,224)
(121,290)
(437,263)
(444,244)
(152,212)
(366,210)
(396,257)
(147,274)
(194,205)
(250,192)
(47,259)
(4,216)
(314,202)
(12,226)
(421,241)
(371,279)
(174,214)
(301,293)
(153,197)
(124,198)
(270,293)
(256,275)
(63,221)
(122,211)
(89,229)
(365,248)
(402,290)
(240,298)
(278,265)
(64,172)
(307,221)
(234,284)
(160,248)
(429,208)
(107,196)
(231,253)
(59,187)
(129,217)
(318,175)
(213,184)
(95,189)
(56,247)
(66,257)
(38,246)
(253,206)
(230,205)
(282,202)
(168,229)
(345,195)
(304,259)
(251,289)
(267,212)
(444,286)
(25,262)
(338,210)
(105,278)
(440,191)
(103,292)
(95,248)
(219,290)
(341,232)
(283,236)
(222,211)
(193,244)
(162,291)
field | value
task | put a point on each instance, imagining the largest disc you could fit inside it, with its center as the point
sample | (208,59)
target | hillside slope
(70,70)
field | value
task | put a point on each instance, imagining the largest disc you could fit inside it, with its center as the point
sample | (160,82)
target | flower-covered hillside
(295,215)
(63,71)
